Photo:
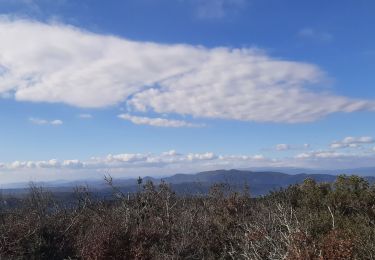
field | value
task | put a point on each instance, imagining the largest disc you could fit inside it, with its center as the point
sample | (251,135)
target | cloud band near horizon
(129,165)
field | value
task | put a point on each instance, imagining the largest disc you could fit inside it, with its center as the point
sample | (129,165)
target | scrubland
(307,221)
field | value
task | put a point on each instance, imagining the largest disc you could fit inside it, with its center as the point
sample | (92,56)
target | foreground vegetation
(307,221)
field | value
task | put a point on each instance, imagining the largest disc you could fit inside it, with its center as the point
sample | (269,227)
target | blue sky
(160,86)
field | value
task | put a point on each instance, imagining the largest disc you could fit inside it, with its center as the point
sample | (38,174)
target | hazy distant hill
(363,171)
(260,183)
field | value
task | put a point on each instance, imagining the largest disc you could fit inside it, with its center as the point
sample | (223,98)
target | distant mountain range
(259,182)
(364,171)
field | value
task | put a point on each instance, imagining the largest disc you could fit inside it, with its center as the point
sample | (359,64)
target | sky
(156,87)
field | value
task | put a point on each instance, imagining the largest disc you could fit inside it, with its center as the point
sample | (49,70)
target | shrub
(307,221)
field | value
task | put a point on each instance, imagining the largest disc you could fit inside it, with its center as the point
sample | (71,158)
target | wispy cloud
(329,154)
(337,157)
(352,142)
(38,121)
(33,7)
(159,122)
(288,147)
(68,65)
(85,116)
(216,9)
(330,159)
(315,35)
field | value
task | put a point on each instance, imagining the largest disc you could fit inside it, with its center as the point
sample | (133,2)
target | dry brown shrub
(337,245)
(302,247)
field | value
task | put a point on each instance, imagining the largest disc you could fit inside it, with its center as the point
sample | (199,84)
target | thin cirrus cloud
(282,147)
(85,116)
(39,121)
(315,35)
(64,64)
(159,122)
(35,7)
(216,9)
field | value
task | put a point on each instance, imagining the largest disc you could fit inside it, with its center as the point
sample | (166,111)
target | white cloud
(312,34)
(126,158)
(135,163)
(352,142)
(320,154)
(259,157)
(160,122)
(53,163)
(63,64)
(73,164)
(204,156)
(330,159)
(288,147)
(56,122)
(141,164)
(38,121)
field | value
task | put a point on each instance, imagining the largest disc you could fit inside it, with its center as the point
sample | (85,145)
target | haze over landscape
(156,88)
